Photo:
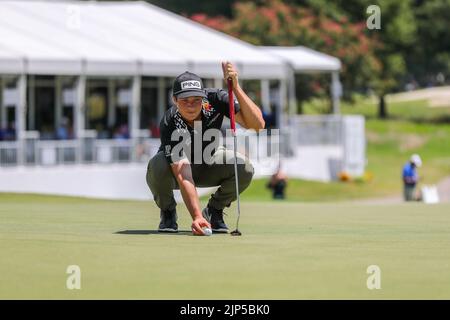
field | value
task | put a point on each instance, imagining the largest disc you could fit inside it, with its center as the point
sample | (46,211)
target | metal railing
(316,130)
(56,152)
(299,132)
(8,153)
(106,151)
(84,150)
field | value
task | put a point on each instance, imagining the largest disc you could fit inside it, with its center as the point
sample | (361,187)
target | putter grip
(231,104)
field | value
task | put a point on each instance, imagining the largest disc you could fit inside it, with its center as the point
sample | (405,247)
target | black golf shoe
(168,221)
(215,217)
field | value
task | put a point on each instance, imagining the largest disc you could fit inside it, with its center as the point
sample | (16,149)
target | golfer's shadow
(155,232)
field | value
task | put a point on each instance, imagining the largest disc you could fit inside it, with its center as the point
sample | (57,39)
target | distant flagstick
(233,130)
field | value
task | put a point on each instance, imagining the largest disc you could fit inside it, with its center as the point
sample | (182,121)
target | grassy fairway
(413,128)
(288,250)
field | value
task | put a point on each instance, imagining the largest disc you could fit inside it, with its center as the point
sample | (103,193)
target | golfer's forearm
(183,174)
(190,198)
(250,112)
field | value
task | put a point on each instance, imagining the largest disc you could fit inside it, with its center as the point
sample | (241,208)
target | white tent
(305,60)
(114,39)
(134,39)
(118,38)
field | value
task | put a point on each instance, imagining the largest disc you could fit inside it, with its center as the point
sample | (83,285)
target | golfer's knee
(158,171)
(245,173)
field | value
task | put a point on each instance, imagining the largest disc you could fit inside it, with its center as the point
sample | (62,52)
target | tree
(431,54)
(189,7)
(397,36)
(413,42)
(278,23)
(395,41)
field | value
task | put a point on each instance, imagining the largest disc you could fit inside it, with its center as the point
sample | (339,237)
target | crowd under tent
(102,63)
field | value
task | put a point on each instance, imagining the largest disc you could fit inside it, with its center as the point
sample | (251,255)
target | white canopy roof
(119,38)
(303,59)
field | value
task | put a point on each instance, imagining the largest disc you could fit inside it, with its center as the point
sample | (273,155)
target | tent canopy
(303,59)
(119,38)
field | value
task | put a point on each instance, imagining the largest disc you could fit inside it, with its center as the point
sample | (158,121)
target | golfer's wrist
(196,214)
(236,85)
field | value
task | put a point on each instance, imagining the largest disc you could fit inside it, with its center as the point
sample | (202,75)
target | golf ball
(207,231)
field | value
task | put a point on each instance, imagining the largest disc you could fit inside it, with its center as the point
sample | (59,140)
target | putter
(233,130)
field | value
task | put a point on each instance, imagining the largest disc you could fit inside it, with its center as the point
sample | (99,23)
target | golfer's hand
(230,72)
(198,224)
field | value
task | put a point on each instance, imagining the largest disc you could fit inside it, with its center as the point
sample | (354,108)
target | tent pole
(292,94)
(111,103)
(3,122)
(79,114)
(162,99)
(335,91)
(282,103)
(58,102)
(265,95)
(79,118)
(135,108)
(31,100)
(21,117)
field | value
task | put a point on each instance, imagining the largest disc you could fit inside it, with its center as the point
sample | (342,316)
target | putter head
(236,233)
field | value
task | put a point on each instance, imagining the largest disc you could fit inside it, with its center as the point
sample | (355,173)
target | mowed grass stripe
(287,251)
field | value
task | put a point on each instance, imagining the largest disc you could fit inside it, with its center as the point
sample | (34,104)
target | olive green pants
(162,182)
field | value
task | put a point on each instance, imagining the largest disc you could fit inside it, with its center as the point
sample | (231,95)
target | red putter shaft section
(231,99)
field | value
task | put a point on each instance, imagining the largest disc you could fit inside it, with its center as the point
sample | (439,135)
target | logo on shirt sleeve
(207,108)
(206,105)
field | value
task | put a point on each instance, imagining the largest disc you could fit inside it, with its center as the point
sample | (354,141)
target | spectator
(154,129)
(102,133)
(277,184)
(10,133)
(63,131)
(410,178)
(121,132)
(270,117)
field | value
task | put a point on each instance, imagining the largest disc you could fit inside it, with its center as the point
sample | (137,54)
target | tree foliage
(278,23)
(413,44)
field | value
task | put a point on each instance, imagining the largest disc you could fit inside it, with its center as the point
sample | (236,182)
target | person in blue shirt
(62,132)
(410,177)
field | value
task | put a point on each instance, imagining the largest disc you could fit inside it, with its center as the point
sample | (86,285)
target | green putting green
(287,251)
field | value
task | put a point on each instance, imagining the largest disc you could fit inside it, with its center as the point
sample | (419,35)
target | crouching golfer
(181,162)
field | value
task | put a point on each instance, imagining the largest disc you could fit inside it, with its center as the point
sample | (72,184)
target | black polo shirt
(214,108)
